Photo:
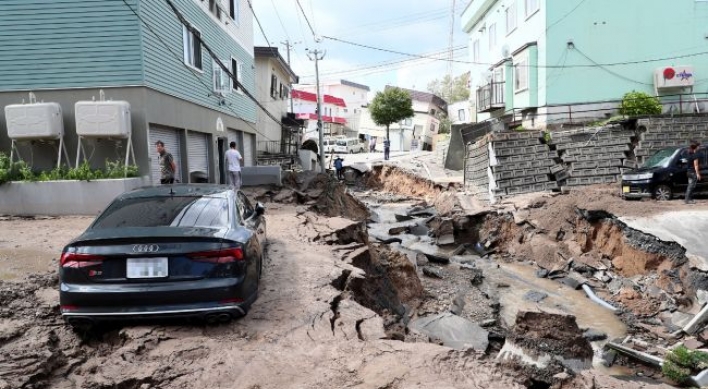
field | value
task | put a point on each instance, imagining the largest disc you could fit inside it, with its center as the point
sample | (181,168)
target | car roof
(177,190)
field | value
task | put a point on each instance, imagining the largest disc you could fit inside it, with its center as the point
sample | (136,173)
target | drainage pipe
(690,328)
(648,358)
(598,300)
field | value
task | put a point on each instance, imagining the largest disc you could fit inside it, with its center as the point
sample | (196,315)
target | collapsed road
(350,298)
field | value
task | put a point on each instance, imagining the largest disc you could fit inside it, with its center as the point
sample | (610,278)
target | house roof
(355,85)
(272,52)
(308,96)
(423,96)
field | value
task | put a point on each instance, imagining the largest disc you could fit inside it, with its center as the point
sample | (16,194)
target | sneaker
(690,201)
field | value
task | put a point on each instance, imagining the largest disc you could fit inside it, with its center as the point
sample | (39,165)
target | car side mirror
(260,209)
(684,160)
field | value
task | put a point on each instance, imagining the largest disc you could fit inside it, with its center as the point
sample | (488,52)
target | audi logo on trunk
(146,248)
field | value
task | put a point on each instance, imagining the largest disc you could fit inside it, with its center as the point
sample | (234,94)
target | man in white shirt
(233,160)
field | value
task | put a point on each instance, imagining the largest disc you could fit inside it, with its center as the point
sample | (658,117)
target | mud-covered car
(663,176)
(181,250)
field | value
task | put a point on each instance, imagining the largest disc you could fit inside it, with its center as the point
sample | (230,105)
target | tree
(639,103)
(391,106)
(460,88)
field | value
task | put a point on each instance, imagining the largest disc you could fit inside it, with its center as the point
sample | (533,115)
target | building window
(236,70)
(234,9)
(532,6)
(273,86)
(220,80)
(432,128)
(511,18)
(284,91)
(215,9)
(475,51)
(192,47)
(521,76)
(409,122)
(461,115)
(492,36)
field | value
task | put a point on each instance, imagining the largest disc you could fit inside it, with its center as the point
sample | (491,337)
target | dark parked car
(181,250)
(663,175)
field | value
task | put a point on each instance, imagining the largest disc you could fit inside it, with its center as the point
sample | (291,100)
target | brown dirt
(393,179)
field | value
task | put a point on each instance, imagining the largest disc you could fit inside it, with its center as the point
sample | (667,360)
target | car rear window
(174,211)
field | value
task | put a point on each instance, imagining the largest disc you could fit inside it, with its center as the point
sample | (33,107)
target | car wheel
(663,193)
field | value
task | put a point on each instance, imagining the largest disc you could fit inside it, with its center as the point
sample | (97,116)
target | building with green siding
(539,62)
(66,51)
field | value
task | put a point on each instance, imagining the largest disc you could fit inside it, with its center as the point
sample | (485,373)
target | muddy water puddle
(508,282)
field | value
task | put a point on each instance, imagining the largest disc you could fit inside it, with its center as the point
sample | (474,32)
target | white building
(355,96)
(333,123)
(461,112)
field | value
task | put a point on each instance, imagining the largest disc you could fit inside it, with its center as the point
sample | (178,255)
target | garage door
(171,140)
(248,147)
(197,150)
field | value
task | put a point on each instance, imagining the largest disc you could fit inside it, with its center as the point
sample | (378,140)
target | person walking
(693,170)
(387,148)
(167,164)
(372,144)
(339,167)
(233,160)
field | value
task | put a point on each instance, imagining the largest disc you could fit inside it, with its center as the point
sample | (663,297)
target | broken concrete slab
(441,259)
(432,272)
(402,218)
(594,335)
(399,230)
(454,331)
(535,296)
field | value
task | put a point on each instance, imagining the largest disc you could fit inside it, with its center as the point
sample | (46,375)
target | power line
(611,71)
(258,22)
(531,66)
(312,30)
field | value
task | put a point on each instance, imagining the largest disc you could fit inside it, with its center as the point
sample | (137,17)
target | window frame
(461,115)
(224,80)
(273,86)
(476,51)
(515,15)
(238,72)
(492,32)
(191,49)
(521,65)
(529,13)
(234,11)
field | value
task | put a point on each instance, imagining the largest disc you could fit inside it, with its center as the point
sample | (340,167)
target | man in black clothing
(167,164)
(692,170)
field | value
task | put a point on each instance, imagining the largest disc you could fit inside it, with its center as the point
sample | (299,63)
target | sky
(410,26)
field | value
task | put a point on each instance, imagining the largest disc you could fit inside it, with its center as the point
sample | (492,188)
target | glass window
(172,211)
(492,36)
(531,7)
(192,47)
(521,79)
(475,51)
(511,18)
(236,70)
(245,205)
(234,9)
(461,115)
(221,80)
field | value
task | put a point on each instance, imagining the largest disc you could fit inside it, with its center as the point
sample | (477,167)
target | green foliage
(460,88)
(20,171)
(639,103)
(391,106)
(681,362)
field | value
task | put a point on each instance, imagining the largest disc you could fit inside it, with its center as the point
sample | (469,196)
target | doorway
(222,153)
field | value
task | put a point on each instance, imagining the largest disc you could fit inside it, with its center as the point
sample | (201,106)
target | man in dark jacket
(693,170)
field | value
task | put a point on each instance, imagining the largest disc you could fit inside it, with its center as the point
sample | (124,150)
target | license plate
(147,267)
(625,189)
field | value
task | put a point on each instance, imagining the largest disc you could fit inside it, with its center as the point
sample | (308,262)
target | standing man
(234,159)
(372,144)
(693,170)
(167,164)
(387,148)
(338,166)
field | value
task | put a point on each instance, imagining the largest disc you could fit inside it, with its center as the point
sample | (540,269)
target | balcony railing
(490,96)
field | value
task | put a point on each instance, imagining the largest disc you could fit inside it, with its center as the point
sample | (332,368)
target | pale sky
(411,26)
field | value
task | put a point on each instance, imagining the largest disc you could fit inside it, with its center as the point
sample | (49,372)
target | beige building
(274,83)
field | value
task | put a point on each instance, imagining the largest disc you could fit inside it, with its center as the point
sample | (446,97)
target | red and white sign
(674,77)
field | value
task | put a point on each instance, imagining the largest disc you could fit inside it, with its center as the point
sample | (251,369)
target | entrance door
(198,151)
(248,147)
(222,146)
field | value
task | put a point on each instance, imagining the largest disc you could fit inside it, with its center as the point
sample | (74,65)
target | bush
(639,103)
(681,362)
(20,171)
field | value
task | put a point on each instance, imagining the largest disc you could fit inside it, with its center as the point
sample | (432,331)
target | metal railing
(490,96)
(277,148)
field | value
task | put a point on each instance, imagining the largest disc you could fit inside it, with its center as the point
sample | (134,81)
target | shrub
(681,362)
(639,103)
(20,171)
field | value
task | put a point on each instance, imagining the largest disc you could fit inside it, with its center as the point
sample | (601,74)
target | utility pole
(288,45)
(450,54)
(317,55)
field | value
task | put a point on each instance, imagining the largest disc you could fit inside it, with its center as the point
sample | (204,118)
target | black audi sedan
(175,251)
(663,175)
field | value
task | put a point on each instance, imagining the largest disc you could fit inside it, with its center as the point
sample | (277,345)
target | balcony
(490,96)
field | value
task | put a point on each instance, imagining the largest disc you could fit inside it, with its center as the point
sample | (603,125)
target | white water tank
(34,121)
(103,119)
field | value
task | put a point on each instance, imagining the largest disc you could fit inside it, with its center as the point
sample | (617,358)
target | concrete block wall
(477,170)
(592,155)
(520,163)
(658,133)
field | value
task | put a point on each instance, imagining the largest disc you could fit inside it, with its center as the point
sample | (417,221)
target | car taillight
(219,256)
(80,260)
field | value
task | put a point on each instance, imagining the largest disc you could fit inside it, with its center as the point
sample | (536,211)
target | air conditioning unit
(674,77)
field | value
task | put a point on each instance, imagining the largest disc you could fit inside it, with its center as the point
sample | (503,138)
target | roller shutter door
(198,152)
(171,140)
(248,146)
